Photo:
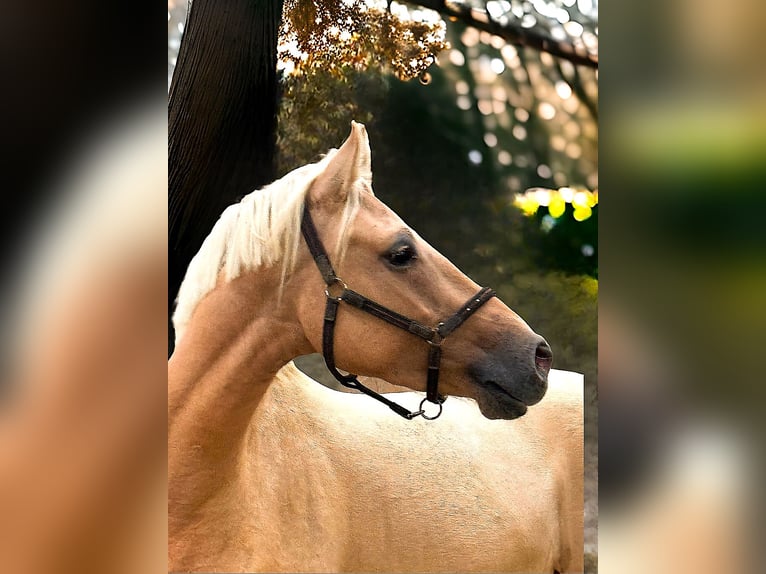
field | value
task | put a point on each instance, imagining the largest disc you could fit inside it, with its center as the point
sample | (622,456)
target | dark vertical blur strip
(682,313)
(64,66)
(82,284)
(222,119)
(65,69)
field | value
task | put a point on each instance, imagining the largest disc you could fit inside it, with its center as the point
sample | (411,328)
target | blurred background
(83,280)
(685,148)
(683,259)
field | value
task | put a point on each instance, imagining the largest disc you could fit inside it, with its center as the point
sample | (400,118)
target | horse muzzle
(511,378)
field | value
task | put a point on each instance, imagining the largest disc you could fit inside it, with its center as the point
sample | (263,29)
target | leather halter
(434,336)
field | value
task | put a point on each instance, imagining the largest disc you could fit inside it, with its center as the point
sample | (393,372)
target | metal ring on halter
(423,414)
(437,339)
(335,281)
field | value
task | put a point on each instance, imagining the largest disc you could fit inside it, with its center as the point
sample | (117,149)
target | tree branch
(511,34)
(579,91)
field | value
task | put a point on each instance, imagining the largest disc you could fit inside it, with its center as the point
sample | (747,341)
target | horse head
(494,358)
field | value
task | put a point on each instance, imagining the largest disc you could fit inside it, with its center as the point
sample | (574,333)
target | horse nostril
(543,357)
(543,351)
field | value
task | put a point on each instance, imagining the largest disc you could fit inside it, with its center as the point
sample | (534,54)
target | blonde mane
(263,229)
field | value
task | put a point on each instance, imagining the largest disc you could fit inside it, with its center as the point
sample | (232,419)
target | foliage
(582,200)
(335,55)
(536,119)
(563,225)
(333,35)
(317,108)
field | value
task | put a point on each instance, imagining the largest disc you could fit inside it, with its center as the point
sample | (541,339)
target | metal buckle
(335,281)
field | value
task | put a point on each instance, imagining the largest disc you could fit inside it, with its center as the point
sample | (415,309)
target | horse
(270,471)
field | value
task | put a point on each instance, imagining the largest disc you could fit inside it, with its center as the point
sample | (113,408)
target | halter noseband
(434,336)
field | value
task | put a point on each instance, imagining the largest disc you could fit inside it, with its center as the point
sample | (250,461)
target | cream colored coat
(332,482)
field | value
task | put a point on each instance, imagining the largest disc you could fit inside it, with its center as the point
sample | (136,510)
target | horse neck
(238,339)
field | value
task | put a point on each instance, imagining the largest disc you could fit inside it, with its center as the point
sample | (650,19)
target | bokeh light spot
(557,206)
(563,90)
(475,157)
(581,213)
(546,111)
(456,58)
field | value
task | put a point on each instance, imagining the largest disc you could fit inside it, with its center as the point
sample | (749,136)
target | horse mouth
(506,401)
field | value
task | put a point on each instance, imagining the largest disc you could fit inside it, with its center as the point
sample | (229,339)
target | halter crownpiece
(337,291)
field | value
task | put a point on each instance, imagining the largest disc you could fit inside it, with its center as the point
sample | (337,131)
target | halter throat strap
(337,291)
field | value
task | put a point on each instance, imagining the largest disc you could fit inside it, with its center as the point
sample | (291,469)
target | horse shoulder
(293,478)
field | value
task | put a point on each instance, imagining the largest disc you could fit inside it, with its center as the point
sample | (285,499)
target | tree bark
(221,120)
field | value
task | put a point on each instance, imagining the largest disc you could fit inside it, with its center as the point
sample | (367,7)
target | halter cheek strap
(337,291)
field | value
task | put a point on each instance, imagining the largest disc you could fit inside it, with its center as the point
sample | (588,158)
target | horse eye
(402,256)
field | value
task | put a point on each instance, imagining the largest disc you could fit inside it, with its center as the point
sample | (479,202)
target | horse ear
(345,168)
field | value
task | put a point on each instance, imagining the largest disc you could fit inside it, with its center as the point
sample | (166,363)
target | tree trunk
(221,120)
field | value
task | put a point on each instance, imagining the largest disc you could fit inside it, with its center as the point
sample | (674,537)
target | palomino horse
(271,472)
